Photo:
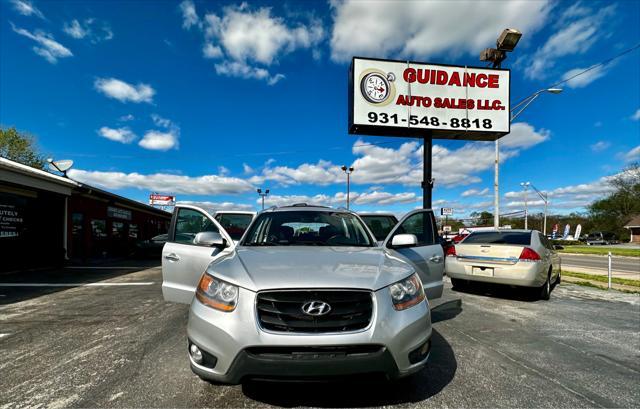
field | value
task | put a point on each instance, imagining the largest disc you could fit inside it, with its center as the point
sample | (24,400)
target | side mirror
(404,240)
(558,247)
(209,239)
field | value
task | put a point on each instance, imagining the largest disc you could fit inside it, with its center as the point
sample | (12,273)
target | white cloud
(475,192)
(383,165)
(632,155)
(126,118)
(573,196)
(160,121)
(124,92)
(122,135)
(574,37)
(421,29)
(600,146)
(189,15)
(250,41)
(248,170)
(636,116)
(163,182)
(47,47)
(242,70)
(340,199)
(523,135)
(211,51)
(213,207)
(585,79)
(159,141)
(90,28)
(26,8)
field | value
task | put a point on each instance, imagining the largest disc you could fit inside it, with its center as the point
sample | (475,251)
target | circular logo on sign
(377,87)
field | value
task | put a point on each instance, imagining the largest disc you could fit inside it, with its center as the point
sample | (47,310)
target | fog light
(420,353)
(195,353)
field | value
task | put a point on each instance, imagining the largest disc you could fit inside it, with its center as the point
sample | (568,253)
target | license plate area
(482,271)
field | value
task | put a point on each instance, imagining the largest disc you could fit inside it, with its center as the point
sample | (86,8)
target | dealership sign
(404,98)
(162,200)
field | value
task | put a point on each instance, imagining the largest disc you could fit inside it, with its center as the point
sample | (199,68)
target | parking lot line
(73,284)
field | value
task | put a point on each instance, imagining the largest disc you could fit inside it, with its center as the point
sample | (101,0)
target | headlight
(406,293)
(217,294)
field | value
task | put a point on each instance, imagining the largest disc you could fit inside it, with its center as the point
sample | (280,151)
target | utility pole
(545,199)
(262,195)
(525,186)
(348,171)
(427,180)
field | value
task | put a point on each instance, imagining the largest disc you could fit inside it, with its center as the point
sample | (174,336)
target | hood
(263,268)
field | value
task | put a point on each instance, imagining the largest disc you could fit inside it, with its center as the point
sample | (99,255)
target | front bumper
(234,339)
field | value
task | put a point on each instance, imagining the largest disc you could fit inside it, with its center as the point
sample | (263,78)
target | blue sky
(209,100)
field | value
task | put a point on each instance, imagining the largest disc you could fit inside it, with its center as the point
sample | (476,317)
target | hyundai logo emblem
(316,308)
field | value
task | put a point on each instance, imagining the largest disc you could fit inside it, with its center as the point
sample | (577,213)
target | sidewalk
(599,272)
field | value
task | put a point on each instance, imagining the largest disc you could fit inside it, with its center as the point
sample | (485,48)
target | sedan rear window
(499,237)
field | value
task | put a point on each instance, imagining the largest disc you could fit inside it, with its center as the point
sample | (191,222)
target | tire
(545,290)
(456,283)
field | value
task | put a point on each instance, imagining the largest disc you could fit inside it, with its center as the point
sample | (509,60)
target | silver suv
(307,292)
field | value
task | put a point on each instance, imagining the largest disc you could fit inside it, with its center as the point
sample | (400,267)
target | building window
(133,231)
(117,230)
(77,224)
(98,228)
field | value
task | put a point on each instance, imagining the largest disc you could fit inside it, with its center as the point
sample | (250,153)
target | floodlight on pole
(505,43)
(262,195)
(348,171)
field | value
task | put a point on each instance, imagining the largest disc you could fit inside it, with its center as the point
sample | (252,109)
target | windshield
(380,226)
(307,228)
(495,237)
(234,223)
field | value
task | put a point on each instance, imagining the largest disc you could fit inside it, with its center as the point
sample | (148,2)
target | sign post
(428,101)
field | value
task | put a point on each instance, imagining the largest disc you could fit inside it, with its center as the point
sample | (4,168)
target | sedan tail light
(529,255)
(451,251)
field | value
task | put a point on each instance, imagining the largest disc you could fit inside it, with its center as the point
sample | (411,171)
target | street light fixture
(348,171)
(528,100)
(262,195)
(545,198)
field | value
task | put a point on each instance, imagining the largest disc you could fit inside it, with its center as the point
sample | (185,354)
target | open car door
(195,240)
(425,252)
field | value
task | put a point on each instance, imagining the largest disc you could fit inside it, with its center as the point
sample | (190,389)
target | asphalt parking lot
(116,343)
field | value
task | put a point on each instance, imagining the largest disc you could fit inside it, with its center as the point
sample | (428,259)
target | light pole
(496,170)
(348,171)
(525,186)
(505,43)
(545,199)
(262,195)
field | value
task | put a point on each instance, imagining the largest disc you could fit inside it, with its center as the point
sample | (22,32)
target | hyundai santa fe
(305,293)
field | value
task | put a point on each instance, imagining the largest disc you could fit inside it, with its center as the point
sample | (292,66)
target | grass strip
(602,278)
(601,251)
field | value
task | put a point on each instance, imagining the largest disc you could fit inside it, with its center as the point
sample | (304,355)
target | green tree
(20,147)
(483,218)
(614,211)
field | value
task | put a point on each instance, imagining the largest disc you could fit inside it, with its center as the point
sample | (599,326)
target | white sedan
(512,257)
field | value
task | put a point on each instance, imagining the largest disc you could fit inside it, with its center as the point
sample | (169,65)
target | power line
(593,67)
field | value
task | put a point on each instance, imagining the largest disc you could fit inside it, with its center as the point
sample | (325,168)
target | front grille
(281,311)
(315,353)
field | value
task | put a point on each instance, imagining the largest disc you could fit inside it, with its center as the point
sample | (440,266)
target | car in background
(380,224)
(523,258)
(602,238)
(305,293)
(151,247)
(235,222)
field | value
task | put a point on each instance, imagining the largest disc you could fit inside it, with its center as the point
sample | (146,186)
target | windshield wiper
(267,243)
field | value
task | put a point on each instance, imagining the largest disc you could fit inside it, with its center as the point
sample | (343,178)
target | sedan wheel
(545,291)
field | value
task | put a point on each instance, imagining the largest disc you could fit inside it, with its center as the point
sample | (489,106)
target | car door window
(191,222)
(422,226)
